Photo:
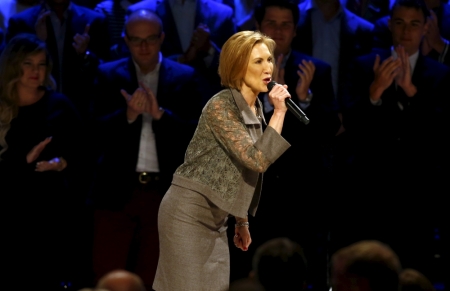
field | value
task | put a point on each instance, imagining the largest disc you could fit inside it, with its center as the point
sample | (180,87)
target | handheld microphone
(291,106)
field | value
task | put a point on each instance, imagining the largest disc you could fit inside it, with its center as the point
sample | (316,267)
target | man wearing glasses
(145,113)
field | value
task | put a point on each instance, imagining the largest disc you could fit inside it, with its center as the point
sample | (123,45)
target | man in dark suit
(146,108)
(304,169)
(436,43)
(332,33)
(76,38)
(398,124)
(195,30)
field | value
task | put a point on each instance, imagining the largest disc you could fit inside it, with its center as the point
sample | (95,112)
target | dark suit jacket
(118,141)
(383,37)
(374,11)
(217,16)
(77,71)
(412,142)
(309,143)
(355,38)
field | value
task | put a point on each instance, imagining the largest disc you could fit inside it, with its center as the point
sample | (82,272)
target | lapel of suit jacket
(172,44)
(165,73)
(202,11)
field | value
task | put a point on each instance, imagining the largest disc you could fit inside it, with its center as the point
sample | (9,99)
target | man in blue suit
(146,108)
(195,32)
(76,38)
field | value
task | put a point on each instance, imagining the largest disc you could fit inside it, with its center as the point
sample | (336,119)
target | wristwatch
(308,97)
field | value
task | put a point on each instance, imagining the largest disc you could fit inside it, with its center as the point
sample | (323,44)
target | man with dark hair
(399,114)
(436,42)
(309,83)
(398,123)
(279,264)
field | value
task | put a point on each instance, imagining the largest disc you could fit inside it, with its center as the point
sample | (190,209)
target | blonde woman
(222,172)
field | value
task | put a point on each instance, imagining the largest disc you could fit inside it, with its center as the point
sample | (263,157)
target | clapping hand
(432,39)
(142,100)
(403,78)
(306,74)
(41,25)
(81,41)
(384,75)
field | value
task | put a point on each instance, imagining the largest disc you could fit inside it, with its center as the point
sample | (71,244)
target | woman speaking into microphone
(222,172)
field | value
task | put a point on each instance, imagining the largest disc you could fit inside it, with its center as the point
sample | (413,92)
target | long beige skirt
(194,252)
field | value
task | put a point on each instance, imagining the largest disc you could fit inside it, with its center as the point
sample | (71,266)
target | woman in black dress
(37,151)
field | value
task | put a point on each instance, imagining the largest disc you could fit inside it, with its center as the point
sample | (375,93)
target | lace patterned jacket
(228,154)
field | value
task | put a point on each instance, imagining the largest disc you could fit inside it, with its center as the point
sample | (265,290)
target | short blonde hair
(235,55)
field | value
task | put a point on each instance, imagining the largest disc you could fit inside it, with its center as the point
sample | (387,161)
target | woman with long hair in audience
(37,139)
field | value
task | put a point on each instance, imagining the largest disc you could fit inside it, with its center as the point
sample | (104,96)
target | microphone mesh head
(270,85)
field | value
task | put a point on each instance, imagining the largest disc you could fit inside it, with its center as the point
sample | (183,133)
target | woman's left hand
(56,164)
(242,237)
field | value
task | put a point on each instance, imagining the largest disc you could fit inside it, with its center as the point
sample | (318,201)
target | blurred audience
(120,280)
(10,7)
(413,280)
(280,264)
(246,284)
(365,266)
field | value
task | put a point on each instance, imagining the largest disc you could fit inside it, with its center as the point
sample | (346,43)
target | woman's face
(259,69)
(34,68)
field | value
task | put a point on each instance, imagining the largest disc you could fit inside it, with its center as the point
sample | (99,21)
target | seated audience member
(10,7)
(279,264)
(365,266)
(245,284)
(120,280)
(413,280)
(38,153)
(146,108)
(195,32)
(77,40)
(115,11)
(436,41)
